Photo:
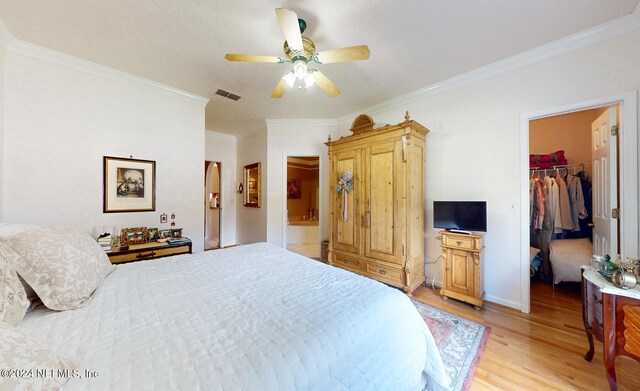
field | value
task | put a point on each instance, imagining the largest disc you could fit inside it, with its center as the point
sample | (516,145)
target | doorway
(303,205)
(627,182)
(212,205)
(569,196)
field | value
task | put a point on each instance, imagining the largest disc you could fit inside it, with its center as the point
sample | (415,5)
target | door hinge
(615,213)
(403,250)
(615,130)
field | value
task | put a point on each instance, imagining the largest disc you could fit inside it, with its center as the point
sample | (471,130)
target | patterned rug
(460,341)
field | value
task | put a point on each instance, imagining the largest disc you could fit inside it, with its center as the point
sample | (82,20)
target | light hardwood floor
(542,350)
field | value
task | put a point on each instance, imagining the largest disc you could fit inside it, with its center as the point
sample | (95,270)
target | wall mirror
(252,181)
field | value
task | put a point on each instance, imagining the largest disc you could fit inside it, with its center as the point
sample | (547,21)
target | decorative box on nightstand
(143,252)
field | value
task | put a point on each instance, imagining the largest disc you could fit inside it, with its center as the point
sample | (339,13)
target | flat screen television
(460,215)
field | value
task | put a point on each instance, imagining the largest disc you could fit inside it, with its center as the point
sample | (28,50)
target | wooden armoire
(381,233)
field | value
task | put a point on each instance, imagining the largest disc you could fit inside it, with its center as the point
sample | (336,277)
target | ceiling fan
(300,51)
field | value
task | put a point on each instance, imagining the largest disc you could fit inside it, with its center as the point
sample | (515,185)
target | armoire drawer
(384,273)
(348,262)
(461,242)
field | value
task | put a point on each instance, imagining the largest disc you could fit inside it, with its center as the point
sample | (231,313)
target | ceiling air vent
(227,94)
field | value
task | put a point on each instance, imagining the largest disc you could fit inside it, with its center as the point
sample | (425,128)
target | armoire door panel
(345,234)
(382,232)
(415,206)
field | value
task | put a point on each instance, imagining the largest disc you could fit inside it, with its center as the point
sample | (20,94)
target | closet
(377,202)
(569,188)
(561,210)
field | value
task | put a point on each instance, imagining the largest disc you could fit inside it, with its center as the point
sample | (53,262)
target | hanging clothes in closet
(557,211)
(584,223)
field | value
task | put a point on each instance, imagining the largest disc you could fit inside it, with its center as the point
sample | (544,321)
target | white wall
(473,147)
(2,88)
(295,138)
(59,123)
(252,222)
(222,148)
(303,234)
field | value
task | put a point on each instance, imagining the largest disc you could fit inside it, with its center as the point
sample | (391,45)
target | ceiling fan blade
(323,82)
(352,53)
(253,58)
(290,27)
(280,89)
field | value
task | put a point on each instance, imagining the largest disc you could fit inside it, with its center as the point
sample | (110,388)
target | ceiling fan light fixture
(289,78)
(300,69)
(308,81)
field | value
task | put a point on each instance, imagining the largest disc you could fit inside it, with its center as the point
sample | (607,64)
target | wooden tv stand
(462,267)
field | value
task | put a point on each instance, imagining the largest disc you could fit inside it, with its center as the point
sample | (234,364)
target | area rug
(461,343)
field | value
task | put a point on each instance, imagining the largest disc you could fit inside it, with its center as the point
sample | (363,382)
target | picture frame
(163,218)
(129,185)
(176,233)
(138,235)
(294,190)
(252,179)
(153,234)
(164,233)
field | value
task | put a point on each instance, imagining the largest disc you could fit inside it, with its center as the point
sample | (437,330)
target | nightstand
(143,252)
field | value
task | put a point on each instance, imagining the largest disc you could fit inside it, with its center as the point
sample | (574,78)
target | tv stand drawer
(461,241)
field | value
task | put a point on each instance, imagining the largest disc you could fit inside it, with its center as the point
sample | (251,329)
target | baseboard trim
(501,301)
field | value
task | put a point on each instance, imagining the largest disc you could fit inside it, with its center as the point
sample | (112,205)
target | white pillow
(63,266)
(13,298)
(7,230)
(20,352)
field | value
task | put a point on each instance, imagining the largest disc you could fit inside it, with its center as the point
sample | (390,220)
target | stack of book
(105,242)
(175,241)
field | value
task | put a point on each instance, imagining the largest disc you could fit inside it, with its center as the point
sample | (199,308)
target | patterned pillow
(13,298)
(62,265)
(33,361)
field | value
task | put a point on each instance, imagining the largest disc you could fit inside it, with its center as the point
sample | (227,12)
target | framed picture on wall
(129,185)
(293,189)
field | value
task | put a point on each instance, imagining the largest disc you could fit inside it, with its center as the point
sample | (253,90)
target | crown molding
(602,32)
(28,49)
(214,133)
(5,35)
(302,122)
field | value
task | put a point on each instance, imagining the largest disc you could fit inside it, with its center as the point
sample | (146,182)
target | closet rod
(581,165)
(556,168)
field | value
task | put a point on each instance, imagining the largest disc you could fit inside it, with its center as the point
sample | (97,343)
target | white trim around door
(628,166)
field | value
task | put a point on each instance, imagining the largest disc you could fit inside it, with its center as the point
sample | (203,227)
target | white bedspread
(253,317)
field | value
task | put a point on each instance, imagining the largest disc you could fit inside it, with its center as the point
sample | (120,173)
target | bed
(253,317)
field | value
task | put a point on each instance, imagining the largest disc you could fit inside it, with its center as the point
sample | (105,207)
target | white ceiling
(414,43)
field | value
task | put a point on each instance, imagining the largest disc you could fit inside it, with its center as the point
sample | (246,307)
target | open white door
(605,184)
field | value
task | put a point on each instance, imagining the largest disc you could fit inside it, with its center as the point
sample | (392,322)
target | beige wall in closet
(568,132)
